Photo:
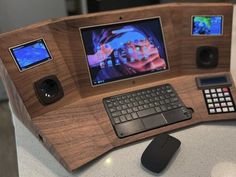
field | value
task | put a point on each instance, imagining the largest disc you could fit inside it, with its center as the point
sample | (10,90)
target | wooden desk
(76,129)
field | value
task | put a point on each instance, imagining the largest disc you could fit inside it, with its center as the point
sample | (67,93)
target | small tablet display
(211,25)
(124,50)
(30,54)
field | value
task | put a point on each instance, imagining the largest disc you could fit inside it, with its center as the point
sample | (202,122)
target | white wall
(19,13)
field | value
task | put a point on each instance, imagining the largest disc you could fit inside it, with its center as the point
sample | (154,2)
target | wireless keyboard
(145,109)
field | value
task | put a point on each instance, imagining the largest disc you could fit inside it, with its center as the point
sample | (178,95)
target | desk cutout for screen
(207,25)
(124,50)
(30,54)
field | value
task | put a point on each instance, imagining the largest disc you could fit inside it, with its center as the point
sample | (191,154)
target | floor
(8,162)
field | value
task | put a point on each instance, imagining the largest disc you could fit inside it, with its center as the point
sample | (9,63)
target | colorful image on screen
(30,54)
(124,50)
(207,25)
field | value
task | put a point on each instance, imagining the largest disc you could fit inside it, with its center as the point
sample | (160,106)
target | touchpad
(154,121)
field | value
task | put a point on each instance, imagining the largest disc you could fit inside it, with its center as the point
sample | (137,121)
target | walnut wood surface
(76,129)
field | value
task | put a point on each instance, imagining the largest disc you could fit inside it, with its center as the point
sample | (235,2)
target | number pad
(219,100)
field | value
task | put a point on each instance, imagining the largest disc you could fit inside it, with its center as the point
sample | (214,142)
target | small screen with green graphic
(207,25)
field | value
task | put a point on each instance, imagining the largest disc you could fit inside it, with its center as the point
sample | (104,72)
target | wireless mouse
(159,152)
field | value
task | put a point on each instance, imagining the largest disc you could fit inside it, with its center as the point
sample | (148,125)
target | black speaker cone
(48,90)
(207,57)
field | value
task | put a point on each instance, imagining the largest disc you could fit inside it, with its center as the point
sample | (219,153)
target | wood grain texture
(76,129)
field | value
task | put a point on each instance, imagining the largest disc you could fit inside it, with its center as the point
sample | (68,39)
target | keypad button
(231,109)
(208,96)
(209,100)
(207,91)
(210,105)
(225,109)
(214,95)
(226,94)
(212,110)
(217,105)
(229,103)
(225,89)
(223,104)
(216,100)
(220,94)
(221,99)
(218,110)
(213,90)
(228,99)
(219,90)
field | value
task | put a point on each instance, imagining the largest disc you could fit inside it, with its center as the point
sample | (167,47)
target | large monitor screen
(207,25)
(124,50)
(30,54)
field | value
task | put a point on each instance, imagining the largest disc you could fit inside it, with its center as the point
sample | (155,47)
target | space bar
(146,112)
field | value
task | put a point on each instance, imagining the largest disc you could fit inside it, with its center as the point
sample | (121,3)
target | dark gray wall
(19,13)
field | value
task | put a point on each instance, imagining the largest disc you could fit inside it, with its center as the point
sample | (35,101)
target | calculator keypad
(219,100)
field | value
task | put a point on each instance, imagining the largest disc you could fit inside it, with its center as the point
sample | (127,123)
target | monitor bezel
(123,22)
(214,35)
(35,65)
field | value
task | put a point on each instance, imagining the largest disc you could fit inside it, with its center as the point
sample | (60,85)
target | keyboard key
(128,117)
(140,108)
(122,119)
(129,110)
(151,105)
(112,109)
(119,108)
(123,112)
(135,109)
(134,115)
(146,112)
(124,106)
(158,109)
(116,114)
(116,120)
(109,105)
(163,108)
